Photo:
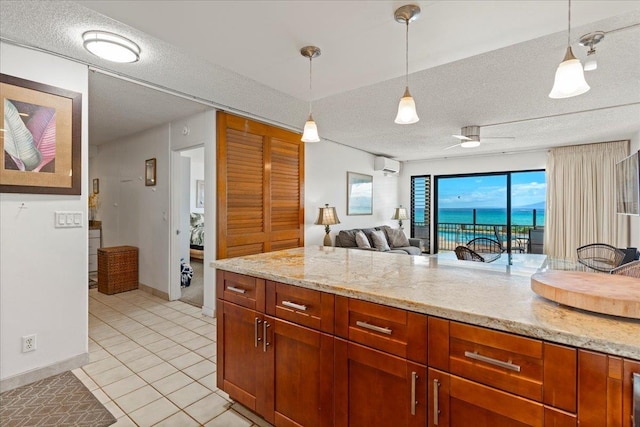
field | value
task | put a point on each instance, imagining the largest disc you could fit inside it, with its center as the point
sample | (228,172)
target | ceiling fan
(470,137)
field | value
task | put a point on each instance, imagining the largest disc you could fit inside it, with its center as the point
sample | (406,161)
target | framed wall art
(359,194)
(41,148)
(150,172)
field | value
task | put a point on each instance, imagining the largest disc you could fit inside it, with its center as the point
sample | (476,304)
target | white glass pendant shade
(111,47)
(407,110)
(569,79)
(310,133)
(591,63)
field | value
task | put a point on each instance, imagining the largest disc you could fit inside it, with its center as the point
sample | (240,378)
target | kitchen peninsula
(332,336)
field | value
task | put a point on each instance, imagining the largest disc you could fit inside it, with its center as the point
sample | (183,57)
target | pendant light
(310,133)
(591,40)
(569,79)
(407,107)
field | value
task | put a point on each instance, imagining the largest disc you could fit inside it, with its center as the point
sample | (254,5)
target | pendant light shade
(310,132)
(407,113)
(569,79)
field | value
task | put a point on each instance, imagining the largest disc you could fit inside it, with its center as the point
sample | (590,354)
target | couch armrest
(415,242)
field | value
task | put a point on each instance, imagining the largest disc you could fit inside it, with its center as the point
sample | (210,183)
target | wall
(197,174)
(43,270)
(326,166)
(132,213)
(634,221)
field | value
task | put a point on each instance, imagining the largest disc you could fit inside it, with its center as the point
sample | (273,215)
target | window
(421,209)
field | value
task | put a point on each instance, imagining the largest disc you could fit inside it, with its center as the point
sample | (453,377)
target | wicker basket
(117,269)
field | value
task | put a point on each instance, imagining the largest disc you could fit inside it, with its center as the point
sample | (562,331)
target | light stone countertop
(492,295)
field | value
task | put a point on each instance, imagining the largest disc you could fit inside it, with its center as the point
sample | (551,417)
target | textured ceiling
(472,63)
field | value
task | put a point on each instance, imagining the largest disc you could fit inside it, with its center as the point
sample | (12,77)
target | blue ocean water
(519,216)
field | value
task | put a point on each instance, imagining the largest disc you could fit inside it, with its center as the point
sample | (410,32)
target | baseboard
(45,372)
(153,291)
(207,311)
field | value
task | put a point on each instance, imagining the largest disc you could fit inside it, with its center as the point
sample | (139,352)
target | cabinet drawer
(389,329)
(243,290)
(505,361)
(307,307)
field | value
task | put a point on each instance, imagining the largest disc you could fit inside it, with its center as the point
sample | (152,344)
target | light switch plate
(68,219)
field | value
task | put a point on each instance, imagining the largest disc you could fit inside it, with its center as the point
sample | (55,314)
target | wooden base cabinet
(377,389)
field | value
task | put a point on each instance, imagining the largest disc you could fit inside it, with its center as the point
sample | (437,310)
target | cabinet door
(377,389)
(457,402)
(240,356)
(300,375)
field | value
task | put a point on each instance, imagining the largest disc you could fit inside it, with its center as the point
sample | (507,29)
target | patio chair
(600,256)
(465,254)
(631,269)
(517,243)
(485,245)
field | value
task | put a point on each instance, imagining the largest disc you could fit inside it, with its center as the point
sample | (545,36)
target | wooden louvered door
(260,187)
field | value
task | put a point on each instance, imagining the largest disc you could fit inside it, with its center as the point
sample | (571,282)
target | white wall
(326,167)
(43,270)
(197,174)
(132,213)
(634,221)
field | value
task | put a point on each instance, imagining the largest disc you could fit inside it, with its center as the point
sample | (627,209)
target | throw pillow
(347,238)
(397,238)
(362,240)
(379,240)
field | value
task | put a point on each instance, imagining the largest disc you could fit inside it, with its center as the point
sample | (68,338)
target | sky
(489,191)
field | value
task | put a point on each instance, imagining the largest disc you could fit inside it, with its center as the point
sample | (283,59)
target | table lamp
(400,214)
(327,216)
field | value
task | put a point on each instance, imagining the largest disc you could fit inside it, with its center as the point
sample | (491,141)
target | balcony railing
(451,235)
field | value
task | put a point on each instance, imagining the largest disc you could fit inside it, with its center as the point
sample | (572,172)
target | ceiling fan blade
(462,137)
(497,137)
(451,146)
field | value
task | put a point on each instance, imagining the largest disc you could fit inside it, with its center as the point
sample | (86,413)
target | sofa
(382,239)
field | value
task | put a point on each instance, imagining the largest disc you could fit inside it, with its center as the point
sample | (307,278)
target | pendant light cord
(310,80)
(406,74)
(569,26)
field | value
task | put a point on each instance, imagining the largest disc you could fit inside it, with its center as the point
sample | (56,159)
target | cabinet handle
(635,415)
(436,404)
(414,402)
(294,305)
(265,343)
(236,290)
(507,365)
(373,327)
(256,338)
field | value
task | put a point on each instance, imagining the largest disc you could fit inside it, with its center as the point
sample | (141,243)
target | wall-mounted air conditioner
(386,165)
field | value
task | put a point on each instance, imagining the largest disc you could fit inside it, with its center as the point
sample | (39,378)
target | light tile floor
(153,363)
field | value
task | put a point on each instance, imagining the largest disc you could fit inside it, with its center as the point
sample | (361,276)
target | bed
(196,242)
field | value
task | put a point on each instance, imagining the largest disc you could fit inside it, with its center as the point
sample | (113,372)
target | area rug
(60,400)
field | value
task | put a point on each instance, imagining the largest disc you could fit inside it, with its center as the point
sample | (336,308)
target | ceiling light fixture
(569,79)
(591,40)
(310,133)
(111,47)
(407,107)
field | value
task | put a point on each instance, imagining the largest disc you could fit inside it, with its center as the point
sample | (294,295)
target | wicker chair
(631,269)
(465,254)
(485,245)
(600,256)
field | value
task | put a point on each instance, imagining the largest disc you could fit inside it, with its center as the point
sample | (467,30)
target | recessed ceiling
(485,63)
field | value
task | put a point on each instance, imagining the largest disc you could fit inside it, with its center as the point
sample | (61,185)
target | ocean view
(519,216)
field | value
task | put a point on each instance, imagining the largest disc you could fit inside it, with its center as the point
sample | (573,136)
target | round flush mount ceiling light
(111,47)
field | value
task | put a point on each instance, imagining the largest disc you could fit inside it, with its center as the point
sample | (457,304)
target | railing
(451,235)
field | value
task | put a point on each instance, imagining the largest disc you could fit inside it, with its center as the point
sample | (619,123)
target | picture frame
(200,194)
(41,149)
(150,172)
(359,194)
(96,186)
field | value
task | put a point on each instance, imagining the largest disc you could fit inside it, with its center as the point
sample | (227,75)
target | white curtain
(581,194)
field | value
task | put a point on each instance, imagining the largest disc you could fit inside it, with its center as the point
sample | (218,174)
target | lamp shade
(400,213)
(569,79)
(327,216)
(310,133)
(111,47)
(591,63)
(407,110)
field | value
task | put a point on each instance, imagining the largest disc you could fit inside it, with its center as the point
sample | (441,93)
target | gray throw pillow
(397,238)
(379,240)
(362,240)
(347,238)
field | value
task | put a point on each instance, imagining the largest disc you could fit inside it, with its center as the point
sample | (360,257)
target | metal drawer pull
(236,290)
(373,327)
(506,365)
(294,305)
(414,402)
(256,338)
(265,343)
(436,404)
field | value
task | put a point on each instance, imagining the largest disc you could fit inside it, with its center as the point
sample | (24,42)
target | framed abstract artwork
(41,144)
(359,194)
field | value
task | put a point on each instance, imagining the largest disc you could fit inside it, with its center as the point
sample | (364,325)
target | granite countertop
(496,296)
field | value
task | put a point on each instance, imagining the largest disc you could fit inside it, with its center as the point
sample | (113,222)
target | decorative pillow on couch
(361,240)
(397,238)
(379,240)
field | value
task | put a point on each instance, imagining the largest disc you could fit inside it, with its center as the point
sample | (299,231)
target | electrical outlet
(28,343)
